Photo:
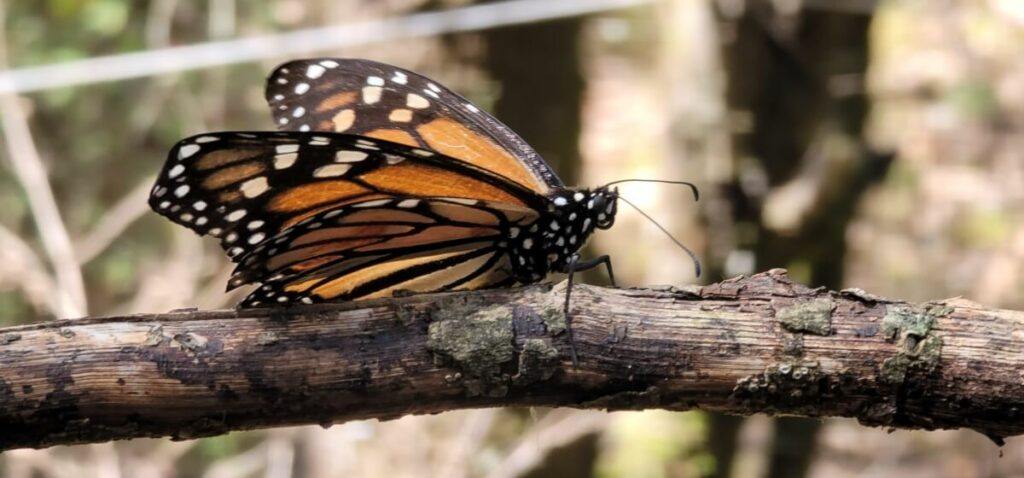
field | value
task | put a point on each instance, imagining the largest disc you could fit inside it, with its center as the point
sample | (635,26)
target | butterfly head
(603,205)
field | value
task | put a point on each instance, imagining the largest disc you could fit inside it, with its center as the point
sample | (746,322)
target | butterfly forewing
(385,102)
(244,188)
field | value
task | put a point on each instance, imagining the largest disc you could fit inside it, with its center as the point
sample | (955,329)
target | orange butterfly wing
(372,248)
(385,102)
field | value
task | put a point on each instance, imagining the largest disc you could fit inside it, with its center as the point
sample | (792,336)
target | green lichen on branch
(538,361)
(919,347)
(814,317)
(477,342)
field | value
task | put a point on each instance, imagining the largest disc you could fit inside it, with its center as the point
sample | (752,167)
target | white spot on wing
(331,170)
(371,94)
(349,156)
(299,111)
(374,203)
(314,71)
(375,81)
(413,100)
(284,161)
(206,139)
(235,215)
(176,171)
(188,150)
(254,187)
(400,78)
(301,88)
(181,191)
(287,148)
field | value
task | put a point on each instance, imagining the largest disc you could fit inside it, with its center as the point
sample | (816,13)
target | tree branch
(747,345)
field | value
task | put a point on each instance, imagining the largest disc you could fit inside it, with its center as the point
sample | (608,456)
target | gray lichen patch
(268,338)
(791,387)
(191,342)
(9,338)
(155,336)
(919,346)
(907,322)
(814,317)
(553,316)
(478,343)
(538,361)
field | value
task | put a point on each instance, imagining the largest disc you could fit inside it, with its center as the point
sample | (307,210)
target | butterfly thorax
(551,242)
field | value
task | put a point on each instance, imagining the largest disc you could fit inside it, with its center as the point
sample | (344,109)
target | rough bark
(742,346)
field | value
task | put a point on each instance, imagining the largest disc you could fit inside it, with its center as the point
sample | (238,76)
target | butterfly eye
(600,202)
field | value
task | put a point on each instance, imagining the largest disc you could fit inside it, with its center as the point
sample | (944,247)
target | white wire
(218,53)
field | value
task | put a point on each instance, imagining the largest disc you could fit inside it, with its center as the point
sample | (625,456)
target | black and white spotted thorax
(552,241)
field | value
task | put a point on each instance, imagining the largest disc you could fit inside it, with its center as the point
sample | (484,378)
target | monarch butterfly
(380,180)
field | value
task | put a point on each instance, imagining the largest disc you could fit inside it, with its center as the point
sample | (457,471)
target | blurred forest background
(858,143)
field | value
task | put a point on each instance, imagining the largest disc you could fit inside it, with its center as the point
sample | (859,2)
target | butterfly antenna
(693,187)
(693,257)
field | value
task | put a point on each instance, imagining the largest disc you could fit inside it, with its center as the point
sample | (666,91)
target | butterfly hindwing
(385,102)
(244,188)
(373,248)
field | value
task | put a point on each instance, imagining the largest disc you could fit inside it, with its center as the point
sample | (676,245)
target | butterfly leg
(571,268)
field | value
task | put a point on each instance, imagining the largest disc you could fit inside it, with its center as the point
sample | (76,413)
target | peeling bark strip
(748,345)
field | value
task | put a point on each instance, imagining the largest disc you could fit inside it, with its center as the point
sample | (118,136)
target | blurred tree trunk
(539,70)
(799,79)
(575,460)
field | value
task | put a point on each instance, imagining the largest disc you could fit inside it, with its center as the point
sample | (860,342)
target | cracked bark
(762,344)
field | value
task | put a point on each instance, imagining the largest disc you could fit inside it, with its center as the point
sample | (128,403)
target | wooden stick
(762,344)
